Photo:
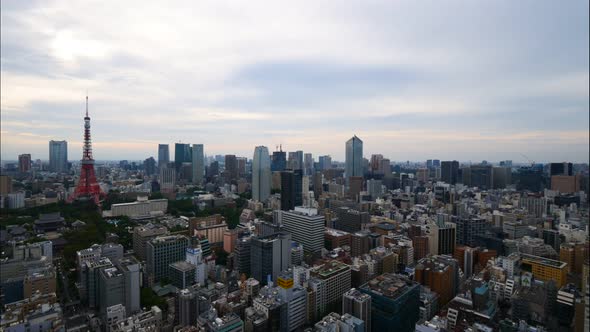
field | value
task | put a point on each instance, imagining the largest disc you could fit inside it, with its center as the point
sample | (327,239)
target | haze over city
(451,80)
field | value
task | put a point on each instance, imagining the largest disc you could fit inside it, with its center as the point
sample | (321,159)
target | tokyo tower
(87,188)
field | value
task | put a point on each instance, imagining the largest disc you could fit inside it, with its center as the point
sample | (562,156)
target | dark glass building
(279,161)
(182,154)
(395,302)
(449,171)
(287,190)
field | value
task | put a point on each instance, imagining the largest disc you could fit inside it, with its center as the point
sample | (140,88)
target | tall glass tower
(354,157)
(163,155)
(261,174)
(58,156)
(182,154)
(198,163)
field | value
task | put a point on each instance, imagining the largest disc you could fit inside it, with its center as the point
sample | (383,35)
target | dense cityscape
(294,166)
(289,241)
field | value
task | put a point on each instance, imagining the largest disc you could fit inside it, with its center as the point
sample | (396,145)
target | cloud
(416,80)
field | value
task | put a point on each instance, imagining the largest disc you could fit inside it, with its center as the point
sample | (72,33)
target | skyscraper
(359,305)
(24,163)
(354,157)
(308,164)
(163,250)
(149,166)
(560,169)
(287,190)
(231,167)
(395,302)
(58,156)
(449,171)
(163,155)
(198,163)
(306,227)
(279,161)
(325,162)
(270,255)
(298,181)
(260,174)
(182,154)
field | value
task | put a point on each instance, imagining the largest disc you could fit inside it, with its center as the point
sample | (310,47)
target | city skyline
(473,90)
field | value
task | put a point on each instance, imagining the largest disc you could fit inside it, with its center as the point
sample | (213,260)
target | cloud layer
(452,79)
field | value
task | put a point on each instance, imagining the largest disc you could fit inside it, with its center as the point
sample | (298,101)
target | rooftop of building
(168,238)
(102,261)
(49,218)
(330,269)
(183,266)
(150,228)
(335,232)
(139,201)
(544,261)
(357,295)
(112,272)
(389,285)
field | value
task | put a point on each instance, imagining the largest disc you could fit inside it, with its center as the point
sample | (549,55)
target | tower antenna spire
(86,103)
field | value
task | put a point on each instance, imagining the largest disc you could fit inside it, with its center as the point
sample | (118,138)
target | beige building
(565,183)
(212,227)
(142,208)
(42,282)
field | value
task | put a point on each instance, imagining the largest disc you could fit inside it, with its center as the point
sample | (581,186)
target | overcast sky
(415,80)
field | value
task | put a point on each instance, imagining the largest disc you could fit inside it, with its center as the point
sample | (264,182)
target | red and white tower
(87,188)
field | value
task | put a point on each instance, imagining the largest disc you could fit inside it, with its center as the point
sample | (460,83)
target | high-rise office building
(182,154)
(130,268)
(111,288)
(358,304)
(450,171)
(305,226)
(5,184)
(329,282)
(308,164)
(478,176)
(501,177)
(295,161)
(395,302)
(298,181)
(269,255)
(441,238)
(198,163)
(325,162)
(149,166)
(167,179)
(350,220)
(385,167)
(24,163)
(318,187)
(530,178)
(58,156)
(287,190)
(143,234)
(439,275)
(375,163)
(561,169)
(469,228)
(163,155)
(354,157)
(261,174)
(231,168)
(279,161)
(161,252)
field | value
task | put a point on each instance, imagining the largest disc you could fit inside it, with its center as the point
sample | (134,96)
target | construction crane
(528,159)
